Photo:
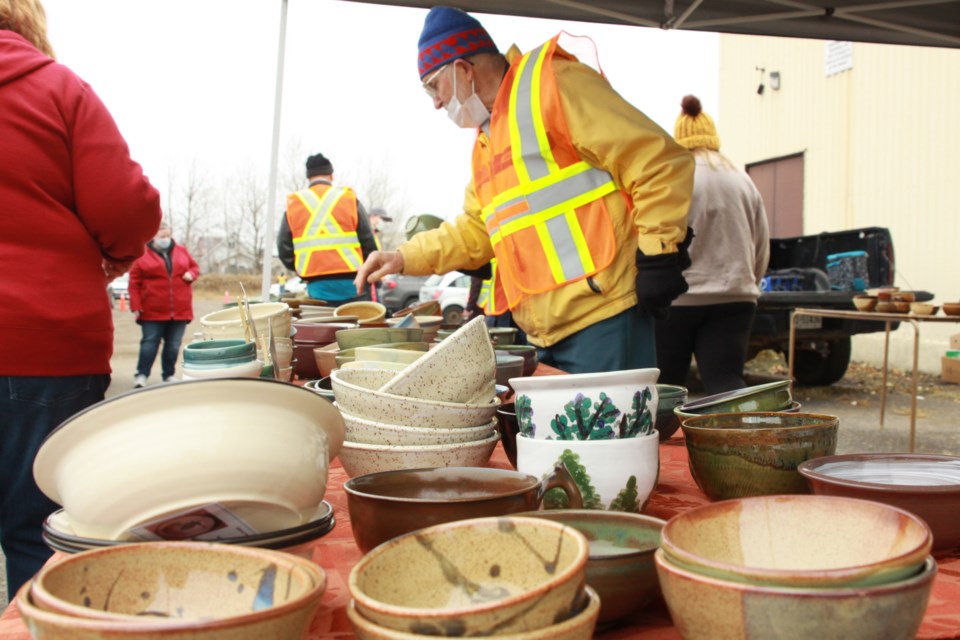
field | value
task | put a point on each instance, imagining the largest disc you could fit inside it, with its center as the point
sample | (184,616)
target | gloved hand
(660,278)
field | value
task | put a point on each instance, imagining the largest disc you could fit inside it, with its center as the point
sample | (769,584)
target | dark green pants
(625,341)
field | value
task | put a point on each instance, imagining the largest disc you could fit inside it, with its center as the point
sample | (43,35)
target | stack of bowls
(479,577)
(734,455)
(226,323)
(436,412)
(347,341)
(310,336)
(173,590)
(785,566)
(221,359)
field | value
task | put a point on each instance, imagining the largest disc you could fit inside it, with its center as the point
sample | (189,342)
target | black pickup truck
(823,344)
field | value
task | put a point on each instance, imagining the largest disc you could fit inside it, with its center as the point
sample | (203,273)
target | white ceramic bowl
(257,448)
(226,322)
(359,459)
(617,475)
(363,431)
(356,392)
(250,369)
(462,368)
(554,402)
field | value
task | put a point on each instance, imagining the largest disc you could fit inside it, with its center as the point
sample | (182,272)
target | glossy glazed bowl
(509,428)
(509,366)
(578,627)
(704,607)
(320,332)
(257,448)
(951,308)
(246,369)
(359,459)
(924,484)
(588,406)
(734,455)
(670,397)
(361,431)
(473,577)
(527,351)
(770,396)
(226,324)
(413,351)
(502,335)
(371,336)
(620,566)
(206,351)
(386,505)
(798,541)
(356,392)
(365,311)
(189,581)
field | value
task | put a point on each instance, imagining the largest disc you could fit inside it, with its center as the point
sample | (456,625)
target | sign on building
(838,57)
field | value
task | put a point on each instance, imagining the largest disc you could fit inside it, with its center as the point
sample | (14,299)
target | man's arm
(285,244)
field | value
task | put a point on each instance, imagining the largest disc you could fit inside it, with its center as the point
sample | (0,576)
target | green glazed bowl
(771,396)
(670,397)
(734,455)
(207,351)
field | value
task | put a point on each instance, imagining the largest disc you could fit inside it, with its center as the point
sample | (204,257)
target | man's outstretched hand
(377,265)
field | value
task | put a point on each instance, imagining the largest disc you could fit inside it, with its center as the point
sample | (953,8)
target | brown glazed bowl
(926,485)
(620,566)
(509,428)
(951,308)
(734,455)
(388,504)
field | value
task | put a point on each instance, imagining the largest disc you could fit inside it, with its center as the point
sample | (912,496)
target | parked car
(294,286)
(451,290)
(119,286)
(398,291)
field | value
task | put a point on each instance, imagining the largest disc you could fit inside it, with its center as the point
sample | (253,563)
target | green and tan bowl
(734,455)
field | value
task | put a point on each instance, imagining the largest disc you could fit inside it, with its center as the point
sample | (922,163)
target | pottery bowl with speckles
(478,577)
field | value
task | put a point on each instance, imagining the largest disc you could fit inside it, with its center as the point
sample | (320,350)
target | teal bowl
(218,350)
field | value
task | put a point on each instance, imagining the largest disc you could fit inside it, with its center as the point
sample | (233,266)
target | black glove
(660,278)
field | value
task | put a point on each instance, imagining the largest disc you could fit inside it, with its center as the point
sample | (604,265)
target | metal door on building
(780,182)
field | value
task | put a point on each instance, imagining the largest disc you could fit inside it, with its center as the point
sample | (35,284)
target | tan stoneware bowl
(368,337)
(363,431)
(183,580)
(798,541)
(704,607)
(386,505)
(483,576)
(356,392)
(926,485)
(923,309)
(865,303)
(621,565)
(344,356)
(733,455)
(366,312)
(578,627)
(359,458)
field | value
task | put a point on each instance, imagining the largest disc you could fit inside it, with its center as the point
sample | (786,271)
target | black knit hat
(318,165)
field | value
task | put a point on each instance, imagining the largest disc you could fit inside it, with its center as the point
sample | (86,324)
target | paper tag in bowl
(208,523)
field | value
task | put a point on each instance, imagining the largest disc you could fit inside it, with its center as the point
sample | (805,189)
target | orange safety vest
(492,296)
(541,203)
(323,222)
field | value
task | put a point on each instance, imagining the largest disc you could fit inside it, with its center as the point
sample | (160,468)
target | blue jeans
(625,341)
(171,332)
(30,408)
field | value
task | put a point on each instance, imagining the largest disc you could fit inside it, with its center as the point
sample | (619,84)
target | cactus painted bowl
(611,405)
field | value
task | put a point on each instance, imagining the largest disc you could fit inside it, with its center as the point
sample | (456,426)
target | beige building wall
(881,146)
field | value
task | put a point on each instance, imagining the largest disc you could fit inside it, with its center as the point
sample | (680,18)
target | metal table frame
(886,318)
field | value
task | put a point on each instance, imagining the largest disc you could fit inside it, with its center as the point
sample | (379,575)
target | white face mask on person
(162,243)
(469,114)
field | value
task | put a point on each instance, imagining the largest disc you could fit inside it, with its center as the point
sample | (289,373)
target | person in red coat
(161,296)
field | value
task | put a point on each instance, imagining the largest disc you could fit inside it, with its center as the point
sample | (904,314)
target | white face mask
(162,243)
(469,114)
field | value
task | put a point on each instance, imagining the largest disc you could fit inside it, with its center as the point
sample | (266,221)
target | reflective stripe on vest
(492,297)
(322,232)
(547,195)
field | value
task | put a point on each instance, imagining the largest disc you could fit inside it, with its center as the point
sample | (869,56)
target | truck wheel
(453,314)
(409,302)
(812,368)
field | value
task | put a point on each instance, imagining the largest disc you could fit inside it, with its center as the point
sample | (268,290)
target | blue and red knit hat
(448,34)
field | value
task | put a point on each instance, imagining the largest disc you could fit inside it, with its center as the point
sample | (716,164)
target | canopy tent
(932,23)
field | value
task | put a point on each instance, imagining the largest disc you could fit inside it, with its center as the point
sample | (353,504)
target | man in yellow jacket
(581,198)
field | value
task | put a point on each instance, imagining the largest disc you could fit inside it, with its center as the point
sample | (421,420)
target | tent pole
(270,232)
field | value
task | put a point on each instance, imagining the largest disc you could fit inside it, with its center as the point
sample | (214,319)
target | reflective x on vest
(323,233)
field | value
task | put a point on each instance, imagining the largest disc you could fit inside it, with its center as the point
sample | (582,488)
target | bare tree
(188,203)
(250,193)
(376,189)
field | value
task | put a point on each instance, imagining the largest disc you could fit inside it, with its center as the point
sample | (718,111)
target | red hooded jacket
(160,295)
(70,196)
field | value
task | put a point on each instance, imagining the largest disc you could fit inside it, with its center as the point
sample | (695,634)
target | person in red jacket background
(75,212)
(161,296)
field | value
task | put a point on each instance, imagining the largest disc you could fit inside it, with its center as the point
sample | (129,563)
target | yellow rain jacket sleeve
(647,165)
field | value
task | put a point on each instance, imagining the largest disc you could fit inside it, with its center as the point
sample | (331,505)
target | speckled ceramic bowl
(704,607)
(579,627)
(360,459)
(361,431)
(182,583)
(356,392)
(487,576)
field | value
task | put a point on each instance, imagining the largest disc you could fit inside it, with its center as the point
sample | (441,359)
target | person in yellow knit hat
(581,198)
(713,319)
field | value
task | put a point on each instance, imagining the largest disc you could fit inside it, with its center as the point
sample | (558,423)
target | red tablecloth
(675,493)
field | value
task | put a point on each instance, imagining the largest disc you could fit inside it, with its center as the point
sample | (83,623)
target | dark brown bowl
(926,485)
(509,428)
(388,504)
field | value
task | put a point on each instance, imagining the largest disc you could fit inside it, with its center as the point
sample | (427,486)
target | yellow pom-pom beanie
(694,128)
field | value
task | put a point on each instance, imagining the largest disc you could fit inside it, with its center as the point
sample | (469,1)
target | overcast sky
(192,81)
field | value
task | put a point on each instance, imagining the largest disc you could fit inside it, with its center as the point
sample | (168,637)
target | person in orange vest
(581,198)
(325,235)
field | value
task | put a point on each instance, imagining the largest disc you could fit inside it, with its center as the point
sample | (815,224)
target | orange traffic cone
(226,297)
(123,302)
